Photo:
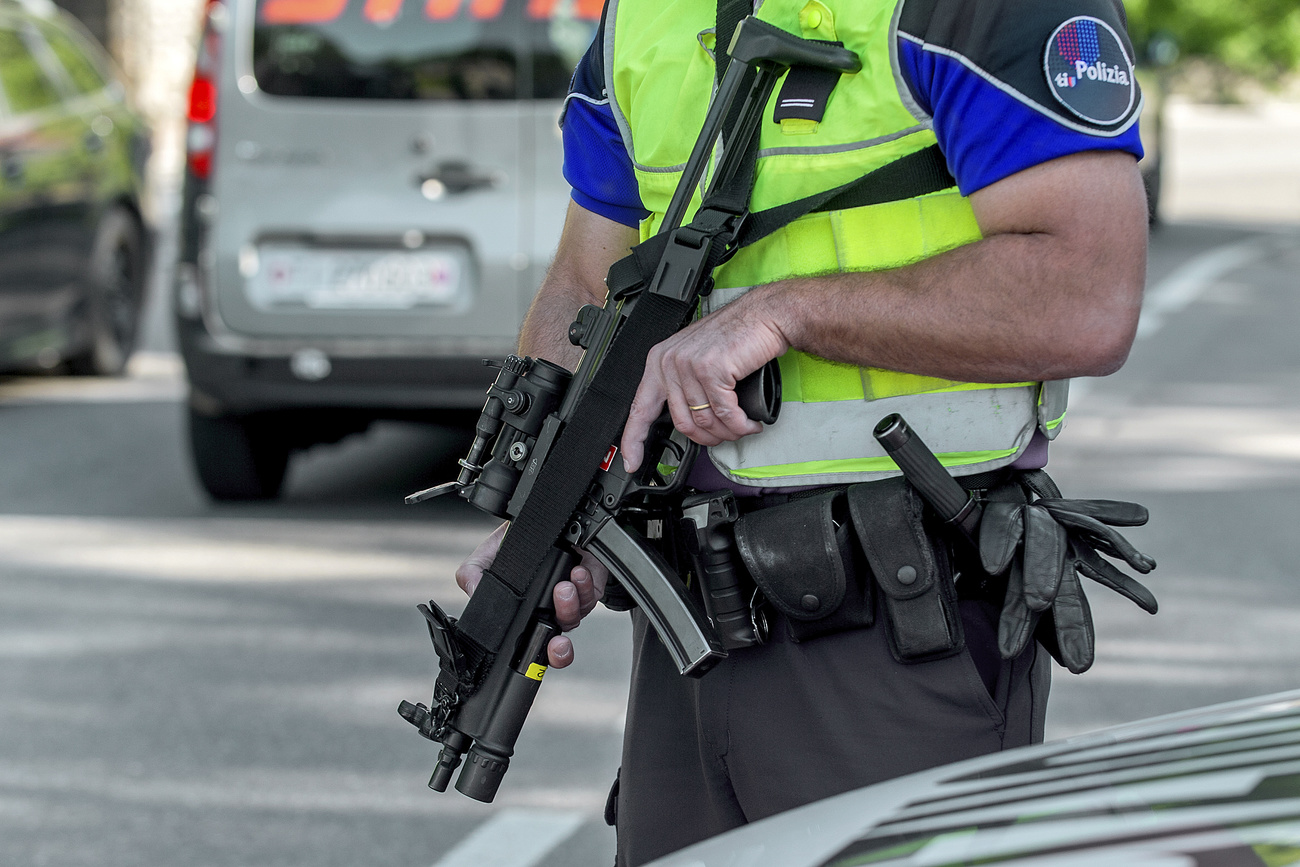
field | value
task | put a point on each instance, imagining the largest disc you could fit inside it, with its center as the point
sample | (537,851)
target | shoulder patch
(1070,60)
(1089,72)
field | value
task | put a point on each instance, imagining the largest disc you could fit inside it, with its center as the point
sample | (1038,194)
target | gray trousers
(777,726)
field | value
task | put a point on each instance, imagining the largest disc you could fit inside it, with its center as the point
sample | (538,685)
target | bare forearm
(588,246)
(1030,301)
(546,327)
(921,319)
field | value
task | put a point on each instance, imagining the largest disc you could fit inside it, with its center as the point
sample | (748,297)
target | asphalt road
(183,683)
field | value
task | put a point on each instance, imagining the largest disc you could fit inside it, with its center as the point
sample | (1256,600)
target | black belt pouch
(802,557)
(914,575)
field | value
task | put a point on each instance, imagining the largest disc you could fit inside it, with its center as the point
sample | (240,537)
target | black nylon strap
(730,14)
(924,171)
(597,421)
(806,91)
(917,174)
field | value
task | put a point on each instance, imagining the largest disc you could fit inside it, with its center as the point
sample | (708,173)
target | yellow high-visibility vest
(659,74)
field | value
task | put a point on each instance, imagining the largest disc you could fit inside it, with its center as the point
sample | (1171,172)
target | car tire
(115,294)
(238,458)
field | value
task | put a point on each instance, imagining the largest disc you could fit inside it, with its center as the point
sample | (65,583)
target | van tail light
(203,100)
(201,137)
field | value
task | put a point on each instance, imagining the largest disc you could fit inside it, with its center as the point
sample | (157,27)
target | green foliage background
(1255,38)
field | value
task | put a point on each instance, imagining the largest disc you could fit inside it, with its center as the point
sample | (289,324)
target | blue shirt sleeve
(986,134)
(596,162)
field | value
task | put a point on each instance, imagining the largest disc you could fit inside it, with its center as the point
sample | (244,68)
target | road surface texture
(190,684)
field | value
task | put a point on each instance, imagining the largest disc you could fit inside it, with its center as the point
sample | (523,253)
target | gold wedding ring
(698,408)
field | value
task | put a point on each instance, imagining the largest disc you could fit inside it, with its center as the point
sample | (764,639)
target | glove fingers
(1089,562)
(1104,538)
(1017,621)
(1046,545)
(1001,528)
(1117,513)
(1074,634)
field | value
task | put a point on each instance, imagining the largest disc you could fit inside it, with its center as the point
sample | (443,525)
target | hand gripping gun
(544,454)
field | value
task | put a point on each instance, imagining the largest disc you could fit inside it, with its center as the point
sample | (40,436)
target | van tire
(114,296)
(238,458)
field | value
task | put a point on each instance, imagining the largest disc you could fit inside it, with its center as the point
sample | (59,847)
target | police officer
(965,310)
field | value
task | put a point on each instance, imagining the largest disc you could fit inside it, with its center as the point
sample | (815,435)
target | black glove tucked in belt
(1043,546)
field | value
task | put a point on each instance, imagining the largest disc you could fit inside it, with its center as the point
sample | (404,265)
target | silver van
(372,192)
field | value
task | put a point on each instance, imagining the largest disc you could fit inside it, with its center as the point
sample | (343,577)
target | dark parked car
(1213,787)
(73,249)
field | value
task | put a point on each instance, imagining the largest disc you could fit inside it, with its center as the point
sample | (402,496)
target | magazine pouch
(914,575)
(801,556)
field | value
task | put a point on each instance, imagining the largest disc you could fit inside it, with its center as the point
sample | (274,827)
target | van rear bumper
(380,386)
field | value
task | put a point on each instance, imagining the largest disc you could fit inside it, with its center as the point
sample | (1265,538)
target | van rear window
(421,49)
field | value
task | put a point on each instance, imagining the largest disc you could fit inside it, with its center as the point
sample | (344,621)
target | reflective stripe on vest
(967,421)
(660,75)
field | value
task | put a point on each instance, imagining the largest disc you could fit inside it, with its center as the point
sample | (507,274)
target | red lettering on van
(302,11)
(485,9)
(441,10)
(382,11)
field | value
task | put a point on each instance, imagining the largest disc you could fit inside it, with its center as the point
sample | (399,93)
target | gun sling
(721,226)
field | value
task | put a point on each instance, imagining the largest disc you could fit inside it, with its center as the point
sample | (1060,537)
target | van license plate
(282,276)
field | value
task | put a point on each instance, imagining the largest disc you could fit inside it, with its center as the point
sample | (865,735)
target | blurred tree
(1255,38)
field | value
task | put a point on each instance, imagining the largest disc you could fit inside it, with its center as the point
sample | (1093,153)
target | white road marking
(1184,285)
(513,838)
(264,789)
(1190,280)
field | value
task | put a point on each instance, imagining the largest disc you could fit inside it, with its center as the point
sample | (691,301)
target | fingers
(704,409)
(574,600)
(1000,532)
(1104,538)
(470,571)
(1117,513)
(599,574)
(1017,621)
(717,418)
(559,652)
(701,395)
(694,373)
(1074,632)
(1046,545)
(1091,564)
(701,398)
(646,404)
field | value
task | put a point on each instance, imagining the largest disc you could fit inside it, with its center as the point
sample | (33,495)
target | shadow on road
(96,449)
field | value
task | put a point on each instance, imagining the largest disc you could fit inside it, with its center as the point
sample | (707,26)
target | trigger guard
(685,455)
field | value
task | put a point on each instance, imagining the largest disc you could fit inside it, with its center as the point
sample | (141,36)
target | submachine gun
(544,454)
